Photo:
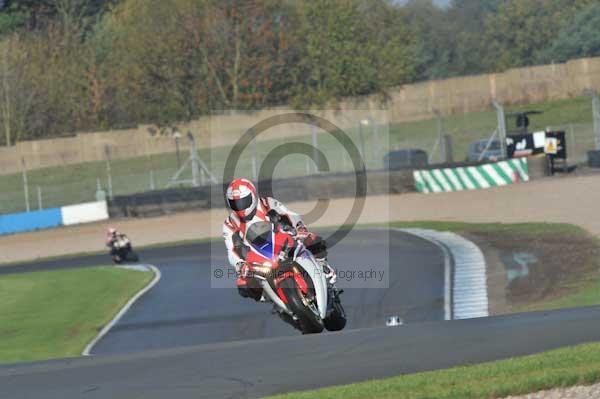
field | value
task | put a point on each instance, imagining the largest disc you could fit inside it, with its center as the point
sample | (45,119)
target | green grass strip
(517,376)
(54,314)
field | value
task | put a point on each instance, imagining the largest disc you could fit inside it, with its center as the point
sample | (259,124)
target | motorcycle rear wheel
(308,321)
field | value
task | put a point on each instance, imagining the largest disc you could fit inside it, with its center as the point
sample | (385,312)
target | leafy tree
(243,47)
(434,50)
(348,51)
(577,38)
(466,19)
(15,92)
(518,33)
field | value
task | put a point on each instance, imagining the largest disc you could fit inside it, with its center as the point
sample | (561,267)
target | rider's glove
(301,230)
(241,267)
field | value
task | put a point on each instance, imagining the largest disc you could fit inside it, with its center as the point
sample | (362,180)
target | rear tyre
(309,321)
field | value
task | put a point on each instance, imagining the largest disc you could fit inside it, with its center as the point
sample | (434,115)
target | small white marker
(394,321)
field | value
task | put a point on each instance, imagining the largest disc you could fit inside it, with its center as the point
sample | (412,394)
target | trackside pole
(39,195)
(596,113)
(108,172)
(501,127)
(199,168)
(25,185)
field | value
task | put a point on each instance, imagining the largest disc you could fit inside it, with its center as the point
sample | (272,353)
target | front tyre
(309,321)
(336,321)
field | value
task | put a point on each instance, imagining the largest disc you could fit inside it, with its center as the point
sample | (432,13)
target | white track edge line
(157,276)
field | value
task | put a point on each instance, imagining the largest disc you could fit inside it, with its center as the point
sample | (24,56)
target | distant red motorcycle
(291,278)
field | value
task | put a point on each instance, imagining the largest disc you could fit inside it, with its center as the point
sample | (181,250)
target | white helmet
(242,198)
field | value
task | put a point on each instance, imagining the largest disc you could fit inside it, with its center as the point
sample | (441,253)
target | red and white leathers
(234,228)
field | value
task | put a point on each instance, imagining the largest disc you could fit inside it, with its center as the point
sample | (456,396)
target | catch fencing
(446,138)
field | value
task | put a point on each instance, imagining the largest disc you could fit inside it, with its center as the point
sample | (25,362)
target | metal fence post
(152,185)
(501,127)
(39,195)
(377,149)
(362,142)
(572,136)
(596,113)
(108,172)
(315,145)
(254,159)
(441,144)
(25,184)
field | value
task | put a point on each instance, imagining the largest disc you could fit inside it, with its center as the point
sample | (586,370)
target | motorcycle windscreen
(260,236)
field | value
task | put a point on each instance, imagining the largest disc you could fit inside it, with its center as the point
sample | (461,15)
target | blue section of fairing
(265,250)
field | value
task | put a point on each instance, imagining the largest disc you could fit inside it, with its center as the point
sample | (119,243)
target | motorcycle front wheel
(308,320)
(336,321)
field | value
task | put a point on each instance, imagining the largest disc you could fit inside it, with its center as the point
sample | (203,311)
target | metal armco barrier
(472,177)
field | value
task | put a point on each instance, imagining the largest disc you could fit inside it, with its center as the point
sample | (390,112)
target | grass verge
(566,274)
(579,365)
(45,315)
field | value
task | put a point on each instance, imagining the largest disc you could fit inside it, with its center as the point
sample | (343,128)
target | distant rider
(245,205)
(112,236)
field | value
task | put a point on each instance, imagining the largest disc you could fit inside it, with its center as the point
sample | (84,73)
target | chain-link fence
(443,139)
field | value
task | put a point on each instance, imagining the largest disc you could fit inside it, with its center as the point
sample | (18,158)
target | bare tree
(15,96)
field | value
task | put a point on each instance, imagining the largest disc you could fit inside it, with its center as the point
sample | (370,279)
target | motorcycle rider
(245,205)
(112,236)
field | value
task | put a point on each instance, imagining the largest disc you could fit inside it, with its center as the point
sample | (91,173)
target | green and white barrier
(472,177)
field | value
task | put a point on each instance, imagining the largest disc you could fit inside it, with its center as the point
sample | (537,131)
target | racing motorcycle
(122,251)
(302,291)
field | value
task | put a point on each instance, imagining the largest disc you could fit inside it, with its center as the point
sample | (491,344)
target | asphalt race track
(183,309)
(256,354)
(254,368)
